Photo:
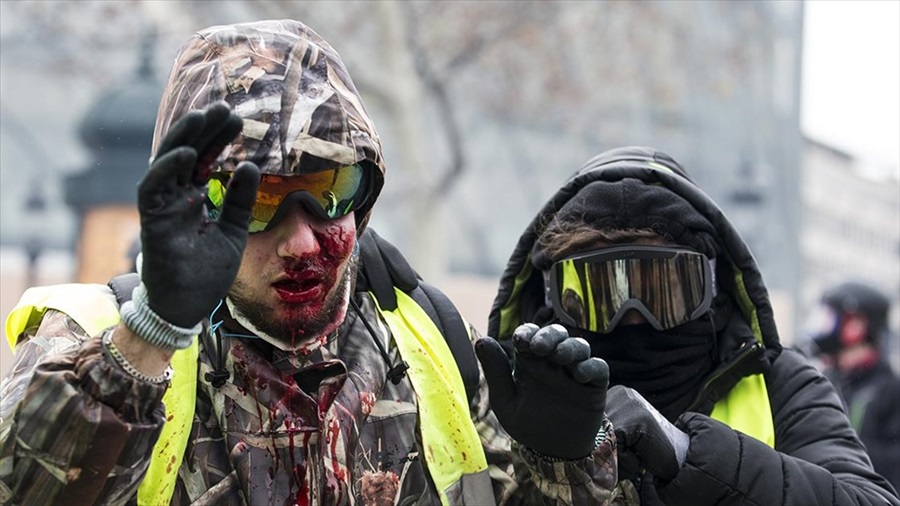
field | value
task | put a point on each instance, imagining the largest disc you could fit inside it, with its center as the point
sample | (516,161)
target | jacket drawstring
(396,372)
(219,375)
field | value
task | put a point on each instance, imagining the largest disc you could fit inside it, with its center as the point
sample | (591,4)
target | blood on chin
(311,310)
(305,326)
(297,315)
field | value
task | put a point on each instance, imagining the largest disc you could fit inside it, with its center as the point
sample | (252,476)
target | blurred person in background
(850,336)
(251,363)
(632,263)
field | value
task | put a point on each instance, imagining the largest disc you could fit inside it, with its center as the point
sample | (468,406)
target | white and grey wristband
(140,319)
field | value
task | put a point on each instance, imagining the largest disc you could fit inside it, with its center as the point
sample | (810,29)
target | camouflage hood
(521,287)
(302,112)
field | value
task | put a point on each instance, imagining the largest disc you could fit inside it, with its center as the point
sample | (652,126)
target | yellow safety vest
(446,425)
(452,447)
(746,409)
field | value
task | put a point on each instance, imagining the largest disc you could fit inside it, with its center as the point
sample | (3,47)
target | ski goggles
(327,194)
(667,286)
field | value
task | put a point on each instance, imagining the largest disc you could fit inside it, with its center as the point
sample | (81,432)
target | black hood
(521,291)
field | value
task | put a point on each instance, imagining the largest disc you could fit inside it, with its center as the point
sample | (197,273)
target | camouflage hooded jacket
(76,429)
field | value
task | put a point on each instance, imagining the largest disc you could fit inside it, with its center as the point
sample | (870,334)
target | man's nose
(297,237)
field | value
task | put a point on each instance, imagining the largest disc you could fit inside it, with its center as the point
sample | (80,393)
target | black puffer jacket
(872,398)
(814,458)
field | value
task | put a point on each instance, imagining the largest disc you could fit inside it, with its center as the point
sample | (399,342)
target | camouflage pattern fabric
(319,427)
(302,112)
(283,430)
(74,427)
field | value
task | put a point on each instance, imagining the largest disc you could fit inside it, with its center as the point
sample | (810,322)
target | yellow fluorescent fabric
(509,313)
(180,400)
(92,306)
(746,409)
(452,446)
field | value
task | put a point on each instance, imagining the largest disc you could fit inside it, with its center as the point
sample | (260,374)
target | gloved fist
(190,261)
(645,439)
(552,396)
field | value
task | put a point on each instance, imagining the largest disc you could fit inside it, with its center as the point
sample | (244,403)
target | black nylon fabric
(817,458)
(667,367)
(122,286)
(631,204)
(651,167)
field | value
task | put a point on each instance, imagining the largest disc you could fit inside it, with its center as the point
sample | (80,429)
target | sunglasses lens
(328,194)
(668,286)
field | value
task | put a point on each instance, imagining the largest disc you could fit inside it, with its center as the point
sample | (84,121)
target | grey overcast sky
(851,78)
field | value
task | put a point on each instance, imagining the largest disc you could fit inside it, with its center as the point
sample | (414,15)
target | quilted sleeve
(817,457)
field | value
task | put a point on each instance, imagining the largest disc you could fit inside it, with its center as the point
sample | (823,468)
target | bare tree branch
(435,84)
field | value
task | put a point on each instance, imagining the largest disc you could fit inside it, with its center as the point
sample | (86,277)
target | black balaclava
(666,367)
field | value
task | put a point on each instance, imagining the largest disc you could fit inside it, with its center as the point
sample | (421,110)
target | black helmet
(854,312)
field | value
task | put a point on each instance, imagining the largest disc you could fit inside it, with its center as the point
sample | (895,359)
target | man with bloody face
(247,367)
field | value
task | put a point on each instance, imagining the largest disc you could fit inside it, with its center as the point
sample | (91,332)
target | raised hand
(552,396)
(645,439)
(190,261)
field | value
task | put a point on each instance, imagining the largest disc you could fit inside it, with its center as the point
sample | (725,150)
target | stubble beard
(291,329)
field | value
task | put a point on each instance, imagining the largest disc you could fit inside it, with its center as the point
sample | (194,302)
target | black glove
(644,439)
(551,398)
(190,261)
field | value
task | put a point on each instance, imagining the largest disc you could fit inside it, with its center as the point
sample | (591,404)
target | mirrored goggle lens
(667,286)
(328,194)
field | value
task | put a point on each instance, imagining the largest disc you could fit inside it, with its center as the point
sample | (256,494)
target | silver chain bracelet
(120,359)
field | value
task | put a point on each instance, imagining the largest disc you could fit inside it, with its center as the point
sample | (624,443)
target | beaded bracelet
(120,359)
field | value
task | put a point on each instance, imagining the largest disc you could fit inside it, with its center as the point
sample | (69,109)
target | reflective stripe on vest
(452,447)
(746,409)
(447,429)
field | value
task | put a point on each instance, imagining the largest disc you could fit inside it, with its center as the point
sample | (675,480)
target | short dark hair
(565,238)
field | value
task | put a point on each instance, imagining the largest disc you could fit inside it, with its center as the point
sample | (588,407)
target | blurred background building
(484,109)
(850,229)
